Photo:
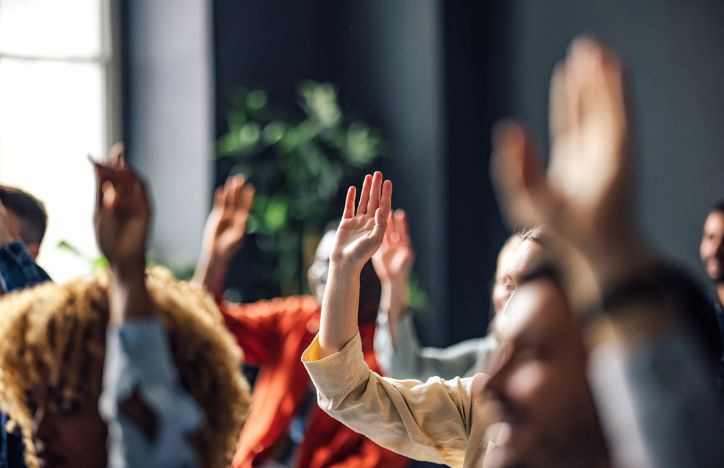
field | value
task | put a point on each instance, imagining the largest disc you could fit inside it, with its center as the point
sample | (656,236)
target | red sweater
(273,335)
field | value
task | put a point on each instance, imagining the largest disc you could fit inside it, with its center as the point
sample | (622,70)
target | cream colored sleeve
(428,421)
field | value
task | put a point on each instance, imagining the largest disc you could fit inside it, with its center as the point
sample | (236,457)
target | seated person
(27,214)
(396,344)
(285,426)
(648,383)
(124,369)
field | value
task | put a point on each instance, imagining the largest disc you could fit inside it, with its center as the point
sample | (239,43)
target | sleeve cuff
(337,373)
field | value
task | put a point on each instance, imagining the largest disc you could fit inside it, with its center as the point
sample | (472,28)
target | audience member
(649,381)
(142,362)
(285,426)
(27,214)
(396,344)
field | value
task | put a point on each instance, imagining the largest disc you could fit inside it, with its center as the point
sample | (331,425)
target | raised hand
(585,196)
(226,224)
(360,233)
(122,214)
(394,259)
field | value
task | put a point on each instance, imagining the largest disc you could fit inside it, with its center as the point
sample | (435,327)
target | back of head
(53,337)
(30,212)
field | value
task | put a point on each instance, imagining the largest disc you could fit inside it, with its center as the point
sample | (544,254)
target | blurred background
(305,97)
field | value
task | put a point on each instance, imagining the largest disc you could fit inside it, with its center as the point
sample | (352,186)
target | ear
(34,249)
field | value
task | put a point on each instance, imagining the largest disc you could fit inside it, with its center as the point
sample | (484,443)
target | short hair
(55,336)
(30,211)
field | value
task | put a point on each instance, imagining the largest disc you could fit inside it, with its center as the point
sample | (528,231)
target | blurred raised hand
(122,214)
(585,197)
(224,232)
(393,263)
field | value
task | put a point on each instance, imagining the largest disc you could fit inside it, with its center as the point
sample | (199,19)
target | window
(55,108)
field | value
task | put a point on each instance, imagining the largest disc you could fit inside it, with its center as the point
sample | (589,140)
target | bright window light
(53,114)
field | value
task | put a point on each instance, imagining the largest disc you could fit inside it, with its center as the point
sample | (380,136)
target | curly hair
(53,336)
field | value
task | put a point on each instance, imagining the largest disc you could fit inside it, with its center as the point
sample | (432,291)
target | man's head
(370,288)
(516,257)
(28,213)
(711,248)
(52,346)
(539,389)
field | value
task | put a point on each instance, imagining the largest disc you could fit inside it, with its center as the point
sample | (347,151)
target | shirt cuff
(337,373)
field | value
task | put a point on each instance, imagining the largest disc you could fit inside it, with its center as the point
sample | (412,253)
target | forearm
(338,324)
(211,272)
(128,296)
(394,300)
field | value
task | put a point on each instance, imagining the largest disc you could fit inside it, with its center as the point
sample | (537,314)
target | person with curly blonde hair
(128,368)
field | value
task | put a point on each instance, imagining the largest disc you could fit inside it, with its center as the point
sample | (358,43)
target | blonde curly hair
(53,336)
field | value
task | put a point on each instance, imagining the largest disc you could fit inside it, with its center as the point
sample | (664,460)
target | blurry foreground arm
(657,400)
(149,414)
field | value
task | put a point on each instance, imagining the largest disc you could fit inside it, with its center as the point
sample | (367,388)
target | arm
(429,421)
(408,360)
(657,402)
(223,234)
(149,414)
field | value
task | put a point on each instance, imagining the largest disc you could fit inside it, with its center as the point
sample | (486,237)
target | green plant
(300,160)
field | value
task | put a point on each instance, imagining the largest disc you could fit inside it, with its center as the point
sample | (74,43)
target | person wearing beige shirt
(651,389)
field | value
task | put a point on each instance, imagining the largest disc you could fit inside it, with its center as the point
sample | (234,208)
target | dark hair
(29,210)
(718,206)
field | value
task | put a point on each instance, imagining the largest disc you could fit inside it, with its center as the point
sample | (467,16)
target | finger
(348,212)
(402,230)
(558,113)
(365,195)
(115,156)
(385,203)
(229,194)
(378,231)
(389,232)
(374,201)
(219,197)
(247,198)
(512,176)
(239,195)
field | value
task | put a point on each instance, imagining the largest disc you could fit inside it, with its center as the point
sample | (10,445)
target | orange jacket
(273,335)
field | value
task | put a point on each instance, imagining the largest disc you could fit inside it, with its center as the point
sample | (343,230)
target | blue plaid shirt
(18,270)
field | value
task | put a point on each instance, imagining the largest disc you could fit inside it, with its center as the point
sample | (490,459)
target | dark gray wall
(673,50)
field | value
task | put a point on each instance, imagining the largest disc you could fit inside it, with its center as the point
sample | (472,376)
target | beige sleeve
(428,421)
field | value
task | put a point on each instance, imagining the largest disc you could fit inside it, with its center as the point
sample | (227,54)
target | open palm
(360,233)
(226,225)
(585,194)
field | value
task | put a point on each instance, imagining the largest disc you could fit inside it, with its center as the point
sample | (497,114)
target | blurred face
(539,390)
(67,430)
(516,263)
(15,224)
(711,248)
(369,300)
(500,292)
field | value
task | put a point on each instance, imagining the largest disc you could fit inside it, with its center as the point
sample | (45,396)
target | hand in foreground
(360,234)
(585,197)
(122,214)
(226,224)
